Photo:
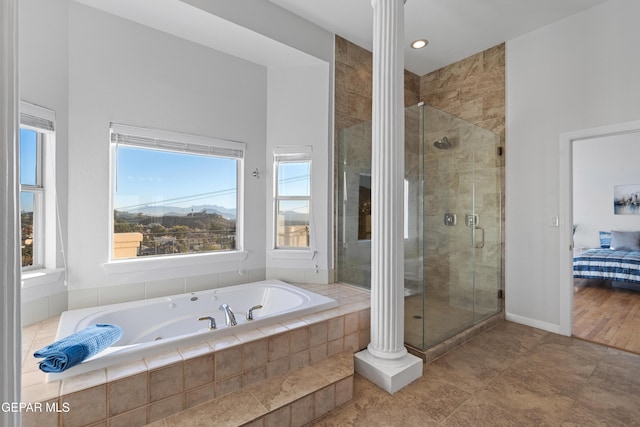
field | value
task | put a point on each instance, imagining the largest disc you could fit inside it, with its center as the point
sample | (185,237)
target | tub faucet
(250,311)
(229,317)
(212,322)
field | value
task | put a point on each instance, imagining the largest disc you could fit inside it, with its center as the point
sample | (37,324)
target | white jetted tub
(161,324)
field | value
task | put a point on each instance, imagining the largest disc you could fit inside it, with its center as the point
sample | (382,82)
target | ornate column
(386,361)
(10,334)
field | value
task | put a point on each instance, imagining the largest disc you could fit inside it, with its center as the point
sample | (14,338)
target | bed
(617,261)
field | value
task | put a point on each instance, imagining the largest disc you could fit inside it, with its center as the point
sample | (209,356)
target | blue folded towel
(71,350)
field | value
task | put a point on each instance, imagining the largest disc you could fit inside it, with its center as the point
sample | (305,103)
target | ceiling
(182,20)
(455,29)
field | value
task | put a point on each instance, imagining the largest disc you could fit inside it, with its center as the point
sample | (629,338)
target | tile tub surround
(156,387)
(292,399)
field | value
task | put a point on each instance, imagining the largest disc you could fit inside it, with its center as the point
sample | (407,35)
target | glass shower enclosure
(452,218)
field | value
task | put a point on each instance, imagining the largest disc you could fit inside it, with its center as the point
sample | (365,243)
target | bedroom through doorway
(605,271)
(606,315)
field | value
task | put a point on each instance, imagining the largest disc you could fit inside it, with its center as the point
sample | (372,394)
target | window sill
(292,254)
(44,276)
(172,262)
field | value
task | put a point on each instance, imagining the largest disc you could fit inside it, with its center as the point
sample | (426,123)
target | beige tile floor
(431,320)
(511,375)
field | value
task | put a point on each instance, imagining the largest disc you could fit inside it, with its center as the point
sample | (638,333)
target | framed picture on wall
(626,199)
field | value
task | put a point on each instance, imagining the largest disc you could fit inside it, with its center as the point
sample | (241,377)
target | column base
(389,374)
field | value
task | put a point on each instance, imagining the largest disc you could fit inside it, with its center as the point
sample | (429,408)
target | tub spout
(212,321)
(229,317)
(250,312)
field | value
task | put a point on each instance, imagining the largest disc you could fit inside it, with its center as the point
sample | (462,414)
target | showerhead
(443,144)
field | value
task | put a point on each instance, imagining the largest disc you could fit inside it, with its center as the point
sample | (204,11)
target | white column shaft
(10,334)
(386,361)
(387,175)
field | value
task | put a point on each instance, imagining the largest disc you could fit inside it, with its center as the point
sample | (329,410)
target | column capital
(373,2)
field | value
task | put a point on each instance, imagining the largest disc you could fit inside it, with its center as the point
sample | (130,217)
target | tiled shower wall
(353,85)
(472,89)
(458,181)
(353,99)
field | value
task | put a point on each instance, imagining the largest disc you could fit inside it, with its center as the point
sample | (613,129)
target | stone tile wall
(353,99)
(473,90)
(353,85)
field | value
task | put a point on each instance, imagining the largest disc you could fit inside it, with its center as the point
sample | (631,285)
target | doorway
(578,235)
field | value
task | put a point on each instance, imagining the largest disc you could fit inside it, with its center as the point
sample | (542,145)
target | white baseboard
(549,327)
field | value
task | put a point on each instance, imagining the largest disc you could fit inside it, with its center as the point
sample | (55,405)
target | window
(292,197)
(37,126)
(173,193)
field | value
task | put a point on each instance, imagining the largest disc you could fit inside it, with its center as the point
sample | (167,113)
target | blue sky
(28,150)
(293,180)
(160,178)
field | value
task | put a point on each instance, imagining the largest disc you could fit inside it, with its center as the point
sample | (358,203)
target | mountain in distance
(295,218)
(179,211)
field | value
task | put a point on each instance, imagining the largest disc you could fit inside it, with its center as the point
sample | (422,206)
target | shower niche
(452,221)
(364,207)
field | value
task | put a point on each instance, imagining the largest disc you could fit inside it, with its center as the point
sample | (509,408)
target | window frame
(43,122)
(176,142)
(292,154)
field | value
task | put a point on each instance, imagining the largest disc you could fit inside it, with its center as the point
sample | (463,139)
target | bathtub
(156,325)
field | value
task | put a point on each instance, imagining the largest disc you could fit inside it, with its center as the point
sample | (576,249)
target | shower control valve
(449,219)
(471,220)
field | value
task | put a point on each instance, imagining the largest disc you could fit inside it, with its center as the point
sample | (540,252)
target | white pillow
(625,240)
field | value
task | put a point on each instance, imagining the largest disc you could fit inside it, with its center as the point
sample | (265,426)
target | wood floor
(606,315)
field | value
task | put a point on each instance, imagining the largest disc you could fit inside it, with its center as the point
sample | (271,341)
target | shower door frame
(350,149)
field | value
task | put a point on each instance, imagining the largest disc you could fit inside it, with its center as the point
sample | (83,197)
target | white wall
(127,73)
(44,81)
(298,114)
(599,164)
(580,72)
(93,68)
(271,20)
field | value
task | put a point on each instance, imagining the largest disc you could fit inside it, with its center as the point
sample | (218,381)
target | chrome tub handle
(250,311)
(212,322)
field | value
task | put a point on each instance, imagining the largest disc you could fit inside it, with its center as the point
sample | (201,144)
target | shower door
(354,204)
(461,232)
(452,207)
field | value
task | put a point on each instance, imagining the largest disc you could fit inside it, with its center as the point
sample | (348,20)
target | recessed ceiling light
(419,44)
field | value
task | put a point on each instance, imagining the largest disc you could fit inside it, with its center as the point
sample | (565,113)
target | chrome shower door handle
(477,243)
